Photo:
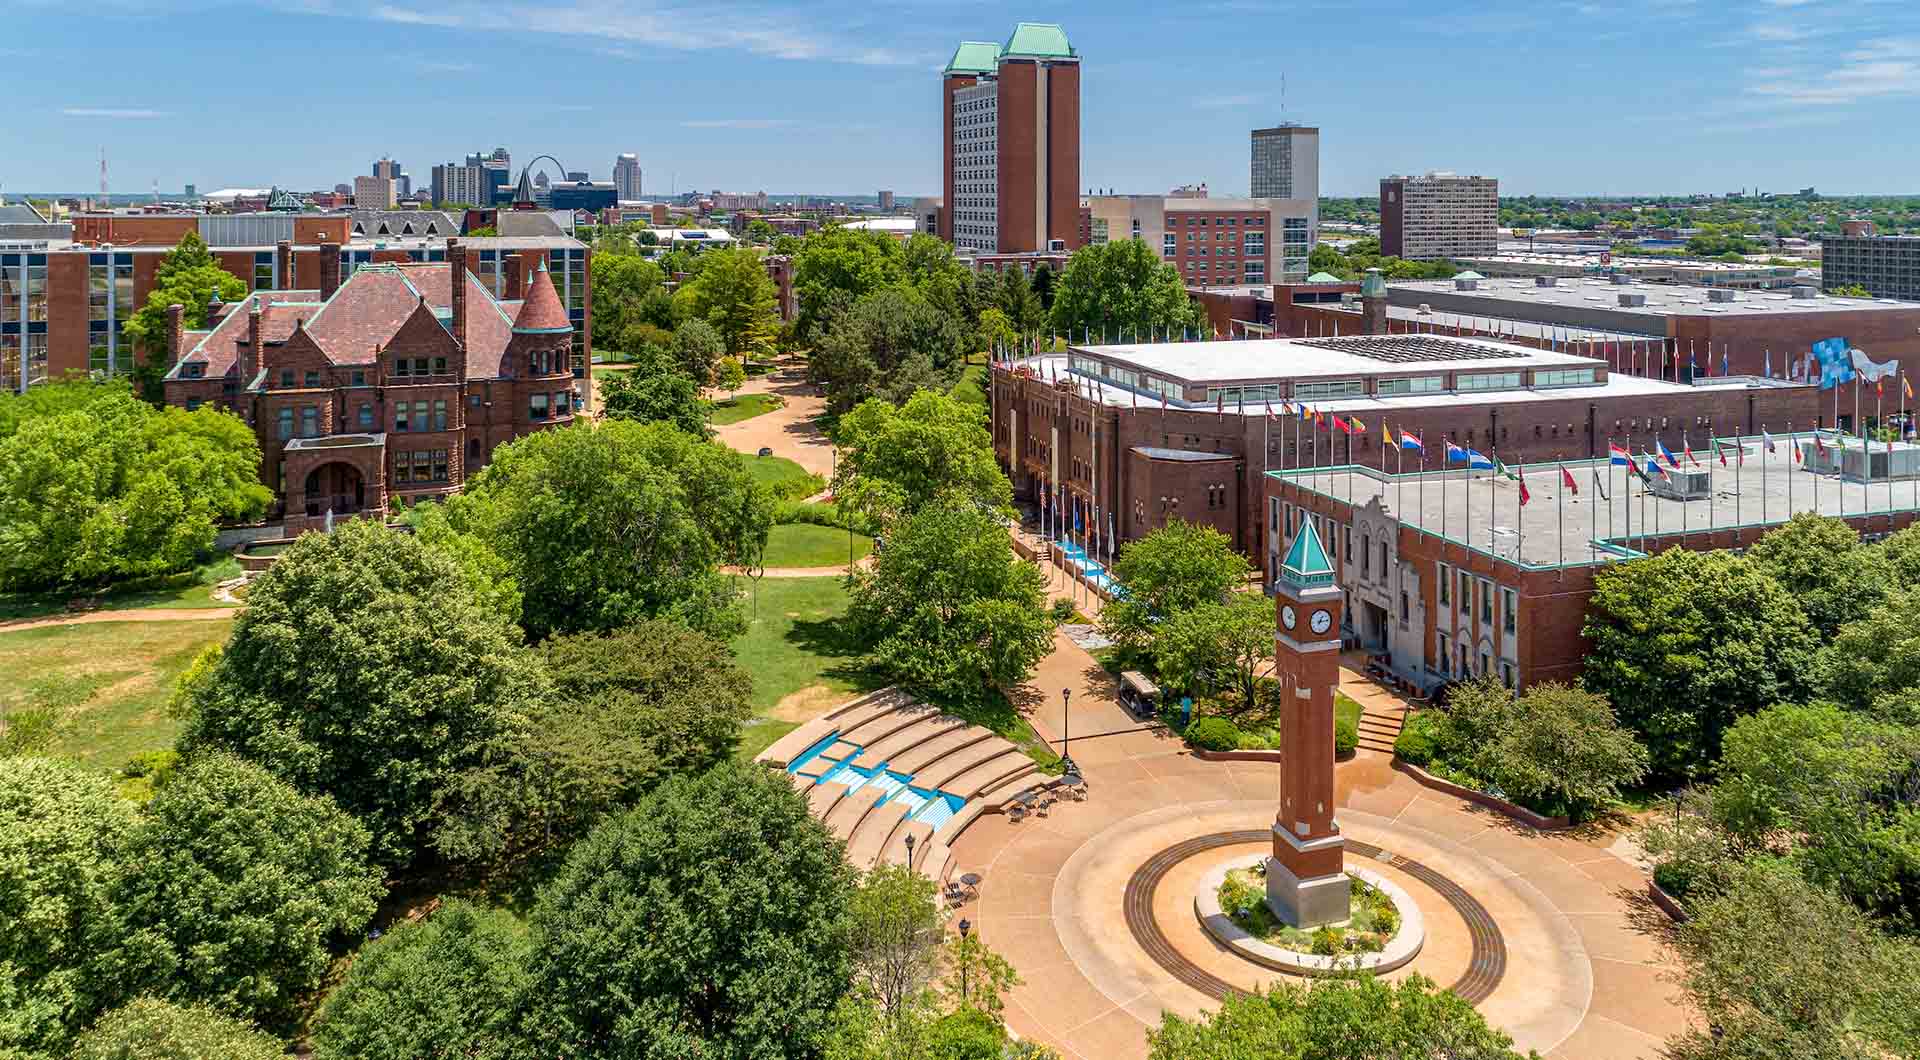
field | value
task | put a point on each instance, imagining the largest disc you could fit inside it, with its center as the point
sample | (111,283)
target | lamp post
(909,852)
(964,964)
(1066,729)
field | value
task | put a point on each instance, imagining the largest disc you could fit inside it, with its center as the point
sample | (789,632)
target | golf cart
(1140,696)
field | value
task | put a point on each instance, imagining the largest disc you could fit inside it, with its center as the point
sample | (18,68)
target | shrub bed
(1373,923)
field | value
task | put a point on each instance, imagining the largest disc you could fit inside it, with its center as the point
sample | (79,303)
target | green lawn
(743,407)
(795,646)
(193,588)
(971,388)
(789,480)
(108,682)
(807,545)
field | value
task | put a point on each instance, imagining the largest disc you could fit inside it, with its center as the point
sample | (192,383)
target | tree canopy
(622,284)
(364,668)
(62,831)
(443,986)
(187,275)
(1175,569)
(734,294)
(235,888)
(96,485)
(149,1029)
(607,524)
(1120,288)
(711,920)
(896,460)
(842,265)
(947,608)
(1821,562)
(1685,642)
(1357,1018)
(888,345)
(669,397)
(1215,641)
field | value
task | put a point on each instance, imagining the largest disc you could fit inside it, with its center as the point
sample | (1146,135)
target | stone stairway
(1380,724)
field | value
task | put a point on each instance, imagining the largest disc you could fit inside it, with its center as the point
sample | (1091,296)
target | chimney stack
(250,358)
(176,332)
(329,270)
(516,279)
(283,265)
(457,262)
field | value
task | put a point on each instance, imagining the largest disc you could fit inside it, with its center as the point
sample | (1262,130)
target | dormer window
(193,370)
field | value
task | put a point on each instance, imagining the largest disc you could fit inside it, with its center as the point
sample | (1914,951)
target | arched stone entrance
(336,487)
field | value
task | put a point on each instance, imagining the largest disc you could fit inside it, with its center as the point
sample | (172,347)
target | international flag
(1767,367)
(1409,441)
(1455,454)
(1269,412)
(1618,455)
(1907,387)
(1688,451)
(1357,426)
(1478,461)
(1724,367)
(1220,402)
(1818,444)
(1525,495)
(1600,484)
(1666,453)
(1653,468)
(1767,439)
(1342,424)
(1566,479)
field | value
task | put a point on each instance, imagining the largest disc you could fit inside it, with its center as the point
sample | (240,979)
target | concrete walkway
(789,430)
(136,614)
(1585,951)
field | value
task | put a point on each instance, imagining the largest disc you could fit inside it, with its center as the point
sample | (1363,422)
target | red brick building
(1142,434)
(391,384)
(62,303)
(1010,139)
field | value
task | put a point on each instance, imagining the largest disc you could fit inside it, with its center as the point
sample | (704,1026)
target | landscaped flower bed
(1372,924)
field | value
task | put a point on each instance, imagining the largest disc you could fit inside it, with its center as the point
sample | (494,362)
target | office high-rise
(1010,118)
(1286,162)
(1439,215)
(626,177)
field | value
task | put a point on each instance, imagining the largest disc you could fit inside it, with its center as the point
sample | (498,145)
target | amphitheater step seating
(940,774)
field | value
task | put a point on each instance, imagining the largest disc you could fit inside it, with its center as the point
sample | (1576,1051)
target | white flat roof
(1267,359)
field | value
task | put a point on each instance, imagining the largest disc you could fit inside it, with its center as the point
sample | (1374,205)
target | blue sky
(1552,97)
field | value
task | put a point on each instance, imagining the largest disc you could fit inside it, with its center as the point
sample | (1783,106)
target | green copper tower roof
(1323,277)
(1307,565)
(974,57)
(1039,40)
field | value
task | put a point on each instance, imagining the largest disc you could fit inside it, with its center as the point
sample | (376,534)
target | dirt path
(788,430)
(137,614)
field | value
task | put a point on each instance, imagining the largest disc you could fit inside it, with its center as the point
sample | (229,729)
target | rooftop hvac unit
(1808,293)
(1632,300)
(1546,281)
(1683,485)
(1721,294)
(1622,278)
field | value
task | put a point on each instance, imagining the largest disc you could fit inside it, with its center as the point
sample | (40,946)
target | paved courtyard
(1584,951)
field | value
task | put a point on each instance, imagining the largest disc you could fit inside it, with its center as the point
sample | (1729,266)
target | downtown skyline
(1556,99)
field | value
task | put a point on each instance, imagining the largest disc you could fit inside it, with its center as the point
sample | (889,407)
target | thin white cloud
(705,29)
(736,123)
(113,112)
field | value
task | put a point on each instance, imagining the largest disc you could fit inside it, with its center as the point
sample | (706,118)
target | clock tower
(1307,884)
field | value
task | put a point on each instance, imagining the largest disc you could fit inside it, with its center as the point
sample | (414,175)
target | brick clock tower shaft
(1307,884)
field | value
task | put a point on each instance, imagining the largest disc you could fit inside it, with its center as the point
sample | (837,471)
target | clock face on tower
(1286,616)
(1321,621)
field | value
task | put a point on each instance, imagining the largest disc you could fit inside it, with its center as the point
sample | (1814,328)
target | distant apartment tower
(886,200)
(626,178)
(1010,120)
(1214,242)
(379,193)
(391,170)
(1439,215)
(457,183)
(1887,266)
(1286,162)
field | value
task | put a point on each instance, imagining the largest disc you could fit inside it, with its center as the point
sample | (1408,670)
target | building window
(439,366)
(1420,384)
(400,417)
(1366,555)
(537,406)
(440,465)
(439,415)
(1406,612)
(1486,602)
(1509,610)
(313,378)
(473,449)
(1488,381)
(366,417)
(1444,655)
(1564,377)
(359,377)
(284,424)
(1506,674)
(1466,593)
(286,378)
(1445,579)
(1486,664)
(422,465)
(310,421)
(99,290)
(263,275)
(1332,389)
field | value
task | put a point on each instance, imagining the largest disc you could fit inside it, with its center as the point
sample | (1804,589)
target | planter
(1251,756)
(1668,903)
(1481,798)
(1400,950)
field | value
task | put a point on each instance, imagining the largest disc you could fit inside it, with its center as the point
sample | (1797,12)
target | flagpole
(1560,513)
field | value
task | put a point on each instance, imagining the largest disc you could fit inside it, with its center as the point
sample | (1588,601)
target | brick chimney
(457,262)
(516,283)
(250,357)
(329,270)
(176,332)
(283,265)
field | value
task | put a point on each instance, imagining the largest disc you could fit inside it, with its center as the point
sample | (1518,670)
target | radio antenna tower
(103,172)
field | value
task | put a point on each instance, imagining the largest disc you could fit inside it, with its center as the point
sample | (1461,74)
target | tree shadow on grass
(845,658)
